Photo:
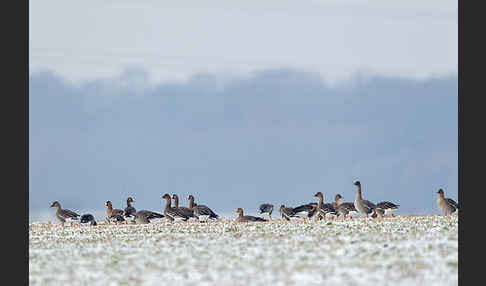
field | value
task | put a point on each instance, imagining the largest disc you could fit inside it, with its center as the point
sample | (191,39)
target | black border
(470,143)
(15,147)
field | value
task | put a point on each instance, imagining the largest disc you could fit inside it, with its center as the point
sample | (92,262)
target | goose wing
(187,211)
(117,217)
(68,214)
(86,218)
(266,208)
(453,203)
(287,213)
(253,218)
(345,208)
(306,207)
(387,205)
(204,210)
(327,209)
(116,212)
(369,204)
(130,211)
(175,213)
(149,214)
(349,207)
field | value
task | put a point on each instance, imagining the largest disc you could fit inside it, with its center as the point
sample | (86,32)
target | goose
(130,211)
(117,218)
(247,218)
(343,208)
(304,210)
(378,213)
(200,210)
(88,218)
(446,205)
(63,214)
(144,216)
(187,211)
(323,209)
(286,212)
(266,209)
(112,213)
(388,208)
(172,213)
(363,206)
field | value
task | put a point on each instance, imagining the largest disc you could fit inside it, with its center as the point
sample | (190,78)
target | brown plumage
(130,211)
(187,211)
(287,213)
(63,214)
(247,218)
(200,209)
(144,216)
(113,213)
(172,213)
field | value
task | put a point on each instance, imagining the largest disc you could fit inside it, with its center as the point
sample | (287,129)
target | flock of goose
(319,210)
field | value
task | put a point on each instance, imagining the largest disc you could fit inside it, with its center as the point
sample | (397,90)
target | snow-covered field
(409,250)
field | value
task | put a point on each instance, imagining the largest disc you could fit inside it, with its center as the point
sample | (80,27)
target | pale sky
(176,39)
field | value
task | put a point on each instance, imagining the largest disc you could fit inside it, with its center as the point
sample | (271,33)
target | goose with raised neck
(187,211)
(363,206)
(130,211)
(64,214)
(113,214)
(201,210)
(172,213)
(322,208)
(446,205)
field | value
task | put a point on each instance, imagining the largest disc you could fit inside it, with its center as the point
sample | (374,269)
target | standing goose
(446,205)
(172,213)
(200,210)
(187,211)
(388,207)
(88,218)
(144,216)
(324,209)
(343,208)
(130,211)
(112,213)
(363,206)
(287,213)
(247,218)
(266,209)
(64,214)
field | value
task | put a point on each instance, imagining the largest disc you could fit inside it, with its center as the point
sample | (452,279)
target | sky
(270,101)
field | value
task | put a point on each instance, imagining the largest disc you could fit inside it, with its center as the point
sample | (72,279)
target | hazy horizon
(278,136)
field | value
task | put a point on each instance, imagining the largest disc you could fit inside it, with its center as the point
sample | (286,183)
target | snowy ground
(396,251)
